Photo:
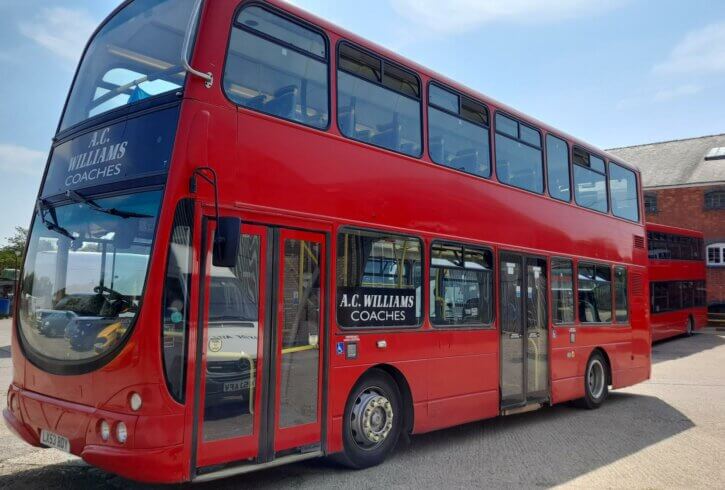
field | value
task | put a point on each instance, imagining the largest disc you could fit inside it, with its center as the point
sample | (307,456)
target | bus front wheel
(372,422)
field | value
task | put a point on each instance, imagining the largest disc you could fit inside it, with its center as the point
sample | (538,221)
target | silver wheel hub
(371,419)
(596,379)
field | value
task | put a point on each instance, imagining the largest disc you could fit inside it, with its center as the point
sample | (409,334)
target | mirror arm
(209,175)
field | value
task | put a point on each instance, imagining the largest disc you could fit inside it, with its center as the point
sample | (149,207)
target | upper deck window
(378,102)
(557,163)
(668,246)
(590,181)
(135,56)
(623,192)
(278,67)
(458,132)
(519,159)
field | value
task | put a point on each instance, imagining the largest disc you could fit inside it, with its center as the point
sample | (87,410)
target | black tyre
(689,327)
(372,422)
(596,382)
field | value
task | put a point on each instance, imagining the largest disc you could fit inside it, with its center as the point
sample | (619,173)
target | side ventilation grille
(637,284)
(638,241)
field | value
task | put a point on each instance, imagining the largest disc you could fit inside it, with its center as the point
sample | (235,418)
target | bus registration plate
(51,439)
(232,386)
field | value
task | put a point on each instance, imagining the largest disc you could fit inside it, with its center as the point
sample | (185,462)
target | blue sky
(613,73)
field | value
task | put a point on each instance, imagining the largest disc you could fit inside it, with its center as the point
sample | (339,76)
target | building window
(379,280)
(461,285)
(650,203)
(715,200)
(458,132)
(519,159)
(562,291)
(716,254)
(278,67)
(595,293)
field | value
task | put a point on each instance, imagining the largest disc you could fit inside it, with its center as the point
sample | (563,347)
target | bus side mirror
(226,242)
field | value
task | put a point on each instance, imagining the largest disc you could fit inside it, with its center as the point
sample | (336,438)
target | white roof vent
(716,154)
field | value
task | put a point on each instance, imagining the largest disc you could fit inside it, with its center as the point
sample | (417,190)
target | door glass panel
(300,333)
(231,350)
(536,322)
(512,330)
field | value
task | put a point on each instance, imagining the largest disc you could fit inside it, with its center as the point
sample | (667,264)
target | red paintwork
(280,174)
(672,323)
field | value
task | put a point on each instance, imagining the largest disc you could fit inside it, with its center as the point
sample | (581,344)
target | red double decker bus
(260,239)
(677,274)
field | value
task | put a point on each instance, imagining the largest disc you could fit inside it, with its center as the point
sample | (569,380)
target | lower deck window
(379,280)
(461,285)
(595,293)
(562,291)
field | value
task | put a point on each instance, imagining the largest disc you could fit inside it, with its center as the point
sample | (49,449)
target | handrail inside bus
(193,20)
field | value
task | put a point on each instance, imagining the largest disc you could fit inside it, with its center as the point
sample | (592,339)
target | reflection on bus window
(461,285)
(595,293)
(231,348)
(278,67)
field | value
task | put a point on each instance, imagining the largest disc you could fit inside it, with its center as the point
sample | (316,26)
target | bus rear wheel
(596,382)
(372,422)
(688,327)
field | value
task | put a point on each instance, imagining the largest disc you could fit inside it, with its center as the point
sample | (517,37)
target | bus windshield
(134,56)
(84,274)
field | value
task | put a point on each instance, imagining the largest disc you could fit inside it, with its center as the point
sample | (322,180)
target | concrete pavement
(668,432)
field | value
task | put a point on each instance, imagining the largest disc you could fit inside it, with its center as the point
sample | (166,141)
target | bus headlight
(135,401)
(105,430)
(121,432)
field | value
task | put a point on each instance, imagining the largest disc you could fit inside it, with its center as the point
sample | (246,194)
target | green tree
(15,244)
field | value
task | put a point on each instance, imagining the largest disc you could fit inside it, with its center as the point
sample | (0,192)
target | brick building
(684,185)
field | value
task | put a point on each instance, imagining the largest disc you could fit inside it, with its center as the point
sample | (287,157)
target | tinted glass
(135,55)
(84,275)
(443,98)
(590,189)
(232,345)
(507,125)
(264,21)
(360,63)
(666,246)
(176,300)
(595,294)
(557,161)
(458,144)
(461,286)
(715,200)
(518,164)
(562,291)
(620,294)
(270,78)
(596,163)
(714,254)
(623,190)
(400,80)
(530,136)
(379,116)
(379,280)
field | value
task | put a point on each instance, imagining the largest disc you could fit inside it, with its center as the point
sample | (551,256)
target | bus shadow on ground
(681,346)
(549,447)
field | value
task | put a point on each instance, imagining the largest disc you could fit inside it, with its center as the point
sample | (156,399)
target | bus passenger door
(259,379)
(524,335)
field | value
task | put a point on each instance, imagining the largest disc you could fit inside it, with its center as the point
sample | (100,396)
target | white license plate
(232,386)
(51,439)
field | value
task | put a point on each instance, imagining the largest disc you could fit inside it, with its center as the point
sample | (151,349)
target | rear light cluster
(120,431)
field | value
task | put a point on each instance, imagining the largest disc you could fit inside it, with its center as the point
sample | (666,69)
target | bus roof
(656,227)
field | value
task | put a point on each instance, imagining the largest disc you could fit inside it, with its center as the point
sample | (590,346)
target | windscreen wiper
(42,208)
(75,197)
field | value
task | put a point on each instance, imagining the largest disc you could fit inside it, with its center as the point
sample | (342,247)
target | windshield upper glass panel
(134,56)
(80,296)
